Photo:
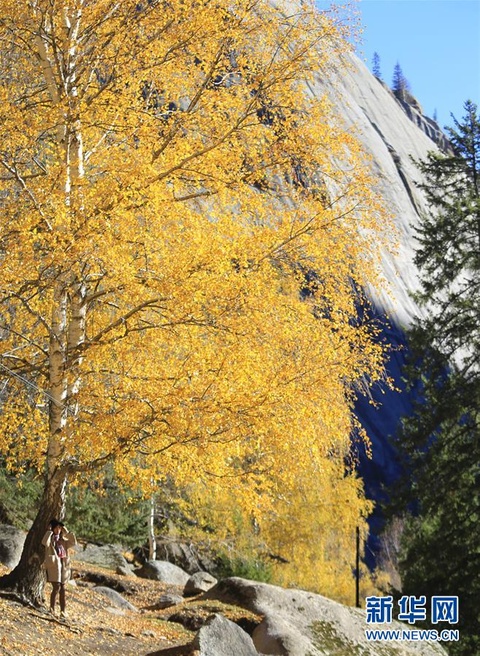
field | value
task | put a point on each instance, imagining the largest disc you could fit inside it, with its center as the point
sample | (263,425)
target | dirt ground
(94,625)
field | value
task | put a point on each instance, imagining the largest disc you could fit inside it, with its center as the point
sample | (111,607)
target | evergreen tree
(448,256)
(400,84)
(376,65)
(441,442)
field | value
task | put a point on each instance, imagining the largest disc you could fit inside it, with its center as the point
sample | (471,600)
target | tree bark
(152,542)
(27,579)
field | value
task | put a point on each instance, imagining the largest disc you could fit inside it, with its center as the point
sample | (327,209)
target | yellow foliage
(168,187)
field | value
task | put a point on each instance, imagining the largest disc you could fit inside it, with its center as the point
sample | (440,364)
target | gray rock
(119,612)
(11,545)
(160,570)
(115,598)
(199,582)
(389,136)
(169,600)
(103,555)
(183,554)
(127,570)
(299,623)
(219,634)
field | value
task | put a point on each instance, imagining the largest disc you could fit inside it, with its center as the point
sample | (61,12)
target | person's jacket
(52,562)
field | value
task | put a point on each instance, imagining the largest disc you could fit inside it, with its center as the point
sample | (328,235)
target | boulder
(123,570)
(198,583)
(115,598)
(299,623)
(217,633)
(183,554)
(160,570)
(168,600)
(11,545)
(109,556)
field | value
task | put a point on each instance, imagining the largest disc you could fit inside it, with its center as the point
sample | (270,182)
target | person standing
(57,541)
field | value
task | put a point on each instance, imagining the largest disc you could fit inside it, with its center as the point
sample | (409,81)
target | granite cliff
(394,134)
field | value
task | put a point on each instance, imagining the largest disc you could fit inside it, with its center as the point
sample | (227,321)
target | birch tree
(167,188)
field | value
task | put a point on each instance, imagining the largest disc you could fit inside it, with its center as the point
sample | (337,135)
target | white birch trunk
(152,543)
(57,378)
(69,308)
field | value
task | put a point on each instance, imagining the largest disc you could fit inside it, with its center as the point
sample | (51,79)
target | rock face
(298,623)
(427,125)
(392,132)
(390,137)
(11,545)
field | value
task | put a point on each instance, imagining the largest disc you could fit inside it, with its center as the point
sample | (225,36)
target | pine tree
(400,85)
(449,244)
(441,441)
(376,65)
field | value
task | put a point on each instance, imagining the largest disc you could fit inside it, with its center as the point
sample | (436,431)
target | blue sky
(436,42)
